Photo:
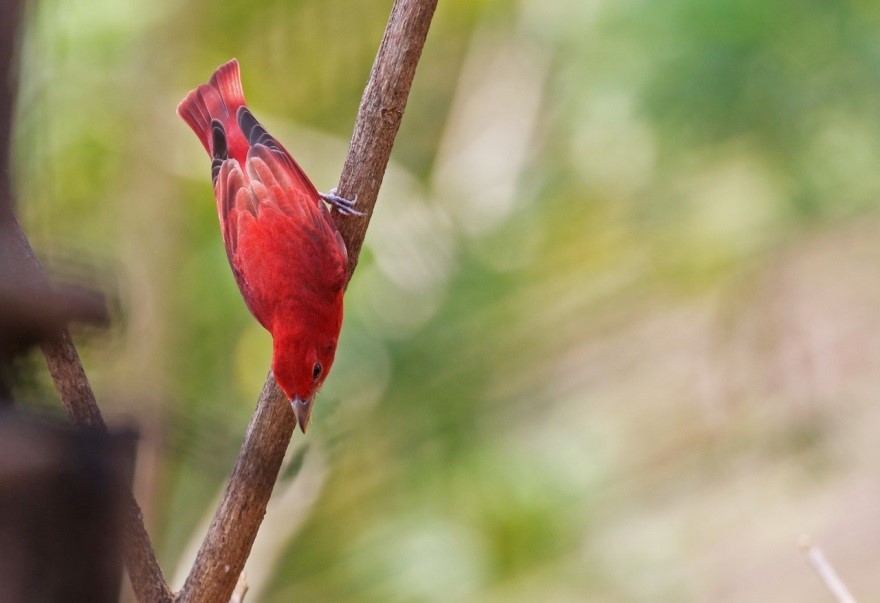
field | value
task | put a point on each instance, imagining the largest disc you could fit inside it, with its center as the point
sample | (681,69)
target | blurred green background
(614,336)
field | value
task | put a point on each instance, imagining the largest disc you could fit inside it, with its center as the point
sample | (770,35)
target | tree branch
(231,535)
(379,116)
(61,355)
(78,398)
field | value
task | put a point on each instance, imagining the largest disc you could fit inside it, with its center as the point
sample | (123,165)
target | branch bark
(233,530)
(61,355)
(144,573)
(379,116)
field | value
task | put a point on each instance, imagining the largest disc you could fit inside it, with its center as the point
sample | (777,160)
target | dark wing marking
(219,149)
(254,130)
(256,134)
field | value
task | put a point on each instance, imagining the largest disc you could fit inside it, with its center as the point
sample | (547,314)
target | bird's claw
(340,204)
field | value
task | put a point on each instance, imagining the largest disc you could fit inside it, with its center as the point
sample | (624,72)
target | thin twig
(826,573)
(231,535)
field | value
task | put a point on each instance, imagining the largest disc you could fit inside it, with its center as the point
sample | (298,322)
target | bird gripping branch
(284,249)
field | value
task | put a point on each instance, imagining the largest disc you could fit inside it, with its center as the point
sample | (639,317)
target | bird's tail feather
(227,81)
(219,99)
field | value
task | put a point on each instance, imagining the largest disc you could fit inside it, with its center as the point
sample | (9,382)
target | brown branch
(78,398)
(231,535)
(144,573)
(71,382)
(61,355)
(379,116)
(227,545)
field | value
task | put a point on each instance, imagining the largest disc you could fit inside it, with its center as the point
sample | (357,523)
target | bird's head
(300,364)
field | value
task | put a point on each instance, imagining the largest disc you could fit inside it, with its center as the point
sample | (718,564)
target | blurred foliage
(595,348)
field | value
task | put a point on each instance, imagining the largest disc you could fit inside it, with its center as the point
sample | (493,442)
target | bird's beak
(302,410)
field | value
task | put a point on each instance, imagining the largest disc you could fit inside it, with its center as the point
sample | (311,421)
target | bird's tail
(219,99)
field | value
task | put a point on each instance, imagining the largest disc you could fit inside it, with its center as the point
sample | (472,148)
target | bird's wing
(257,135)
(277,238)
(235,200)
(297,193)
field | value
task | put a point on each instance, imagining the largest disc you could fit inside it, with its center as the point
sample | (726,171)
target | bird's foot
(340,204)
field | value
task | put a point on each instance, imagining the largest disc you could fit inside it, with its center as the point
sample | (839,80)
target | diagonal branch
(379,116)
(234,527)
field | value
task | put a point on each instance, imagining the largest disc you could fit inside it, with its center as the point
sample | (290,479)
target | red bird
(287,256)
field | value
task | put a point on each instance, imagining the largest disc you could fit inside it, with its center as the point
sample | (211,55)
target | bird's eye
(316,370)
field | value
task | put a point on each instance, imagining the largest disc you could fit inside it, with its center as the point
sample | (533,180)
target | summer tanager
(287,256)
